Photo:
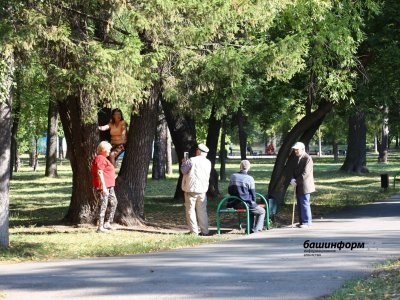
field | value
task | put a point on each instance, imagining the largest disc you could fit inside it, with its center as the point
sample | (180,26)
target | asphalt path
(284,263)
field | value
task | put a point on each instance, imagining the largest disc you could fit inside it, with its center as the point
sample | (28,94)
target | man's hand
(293,182)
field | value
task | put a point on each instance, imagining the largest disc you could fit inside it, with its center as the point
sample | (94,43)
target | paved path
(270,265)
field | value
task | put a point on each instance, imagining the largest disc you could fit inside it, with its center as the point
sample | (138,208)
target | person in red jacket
(103,175)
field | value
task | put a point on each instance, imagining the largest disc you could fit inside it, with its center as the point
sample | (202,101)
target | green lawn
(38,204)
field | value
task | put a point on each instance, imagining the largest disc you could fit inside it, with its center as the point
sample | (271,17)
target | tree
(51,144)
(382,63)
(6,75)
(160,146)
(356,159)
(132,178)
(333,32)
(82,50)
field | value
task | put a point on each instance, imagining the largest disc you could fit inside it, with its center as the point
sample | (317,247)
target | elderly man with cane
(303,182)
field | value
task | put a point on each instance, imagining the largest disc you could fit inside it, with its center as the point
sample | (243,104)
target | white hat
(298,145)
(203,148)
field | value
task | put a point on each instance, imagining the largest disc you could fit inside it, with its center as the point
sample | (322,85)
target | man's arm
(186,166)
(307,170)
(252,190)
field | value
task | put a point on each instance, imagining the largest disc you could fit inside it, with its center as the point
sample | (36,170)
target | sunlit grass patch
(44,244)
(38,204)
(384,283)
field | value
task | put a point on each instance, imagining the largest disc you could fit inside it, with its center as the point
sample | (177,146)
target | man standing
(196,175)
(303,181)
(243,186)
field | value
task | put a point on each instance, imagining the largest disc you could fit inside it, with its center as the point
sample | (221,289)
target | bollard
(385,181)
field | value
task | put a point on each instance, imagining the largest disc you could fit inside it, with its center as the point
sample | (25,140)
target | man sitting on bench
(243,186)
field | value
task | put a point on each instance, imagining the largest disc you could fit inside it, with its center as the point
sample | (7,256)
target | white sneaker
(108,226)
(102,230)
(305,226)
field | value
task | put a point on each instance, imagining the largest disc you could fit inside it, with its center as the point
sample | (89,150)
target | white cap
(203,148)
(298,145)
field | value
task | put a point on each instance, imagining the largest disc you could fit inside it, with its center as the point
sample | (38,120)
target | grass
(384,283)
(37,244)
(38,204)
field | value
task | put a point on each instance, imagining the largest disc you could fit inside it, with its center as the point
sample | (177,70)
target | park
(249,79)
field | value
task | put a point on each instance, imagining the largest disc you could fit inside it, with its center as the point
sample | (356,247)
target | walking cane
(294,203)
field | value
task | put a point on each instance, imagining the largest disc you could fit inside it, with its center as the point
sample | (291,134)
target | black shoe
(204,234)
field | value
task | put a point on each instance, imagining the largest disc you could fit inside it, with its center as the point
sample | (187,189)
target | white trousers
(196,212)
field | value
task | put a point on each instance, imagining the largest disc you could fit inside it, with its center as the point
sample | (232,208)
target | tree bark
(51,150)
(383,143)
(132,178)
(223,152)
(356,157)
(14,161)
(36,154)
(104,117)
(285,161)
(60,148)
(6,96)
(169,153)
(160,146)
(82,140)
(183,134)
(214,127)
(242,134)
(335,150)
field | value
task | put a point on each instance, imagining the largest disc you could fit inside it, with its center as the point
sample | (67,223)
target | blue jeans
(303,203)
(258,214)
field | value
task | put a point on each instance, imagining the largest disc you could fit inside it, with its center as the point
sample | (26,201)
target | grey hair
(104,145)
(244,164)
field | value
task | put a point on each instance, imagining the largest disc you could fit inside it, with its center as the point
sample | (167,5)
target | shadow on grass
(23,250)
(39,217)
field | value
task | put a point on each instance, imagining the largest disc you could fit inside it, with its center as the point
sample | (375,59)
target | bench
(221,209)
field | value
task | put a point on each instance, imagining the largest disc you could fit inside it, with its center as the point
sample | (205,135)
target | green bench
(223,209)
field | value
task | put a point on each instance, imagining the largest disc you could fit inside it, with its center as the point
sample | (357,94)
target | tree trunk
(36,154)
(384,141)
(356,157)
(223,152)
(82,140)
(51,150)
(285,161)
(6,81)
(214,127)
(169,153)
(319,143)
(32,152)
(242,134)
(61,148)
(14,161)
(104,117)
(335,149)
(183,134)
(132,178)
(160,146)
